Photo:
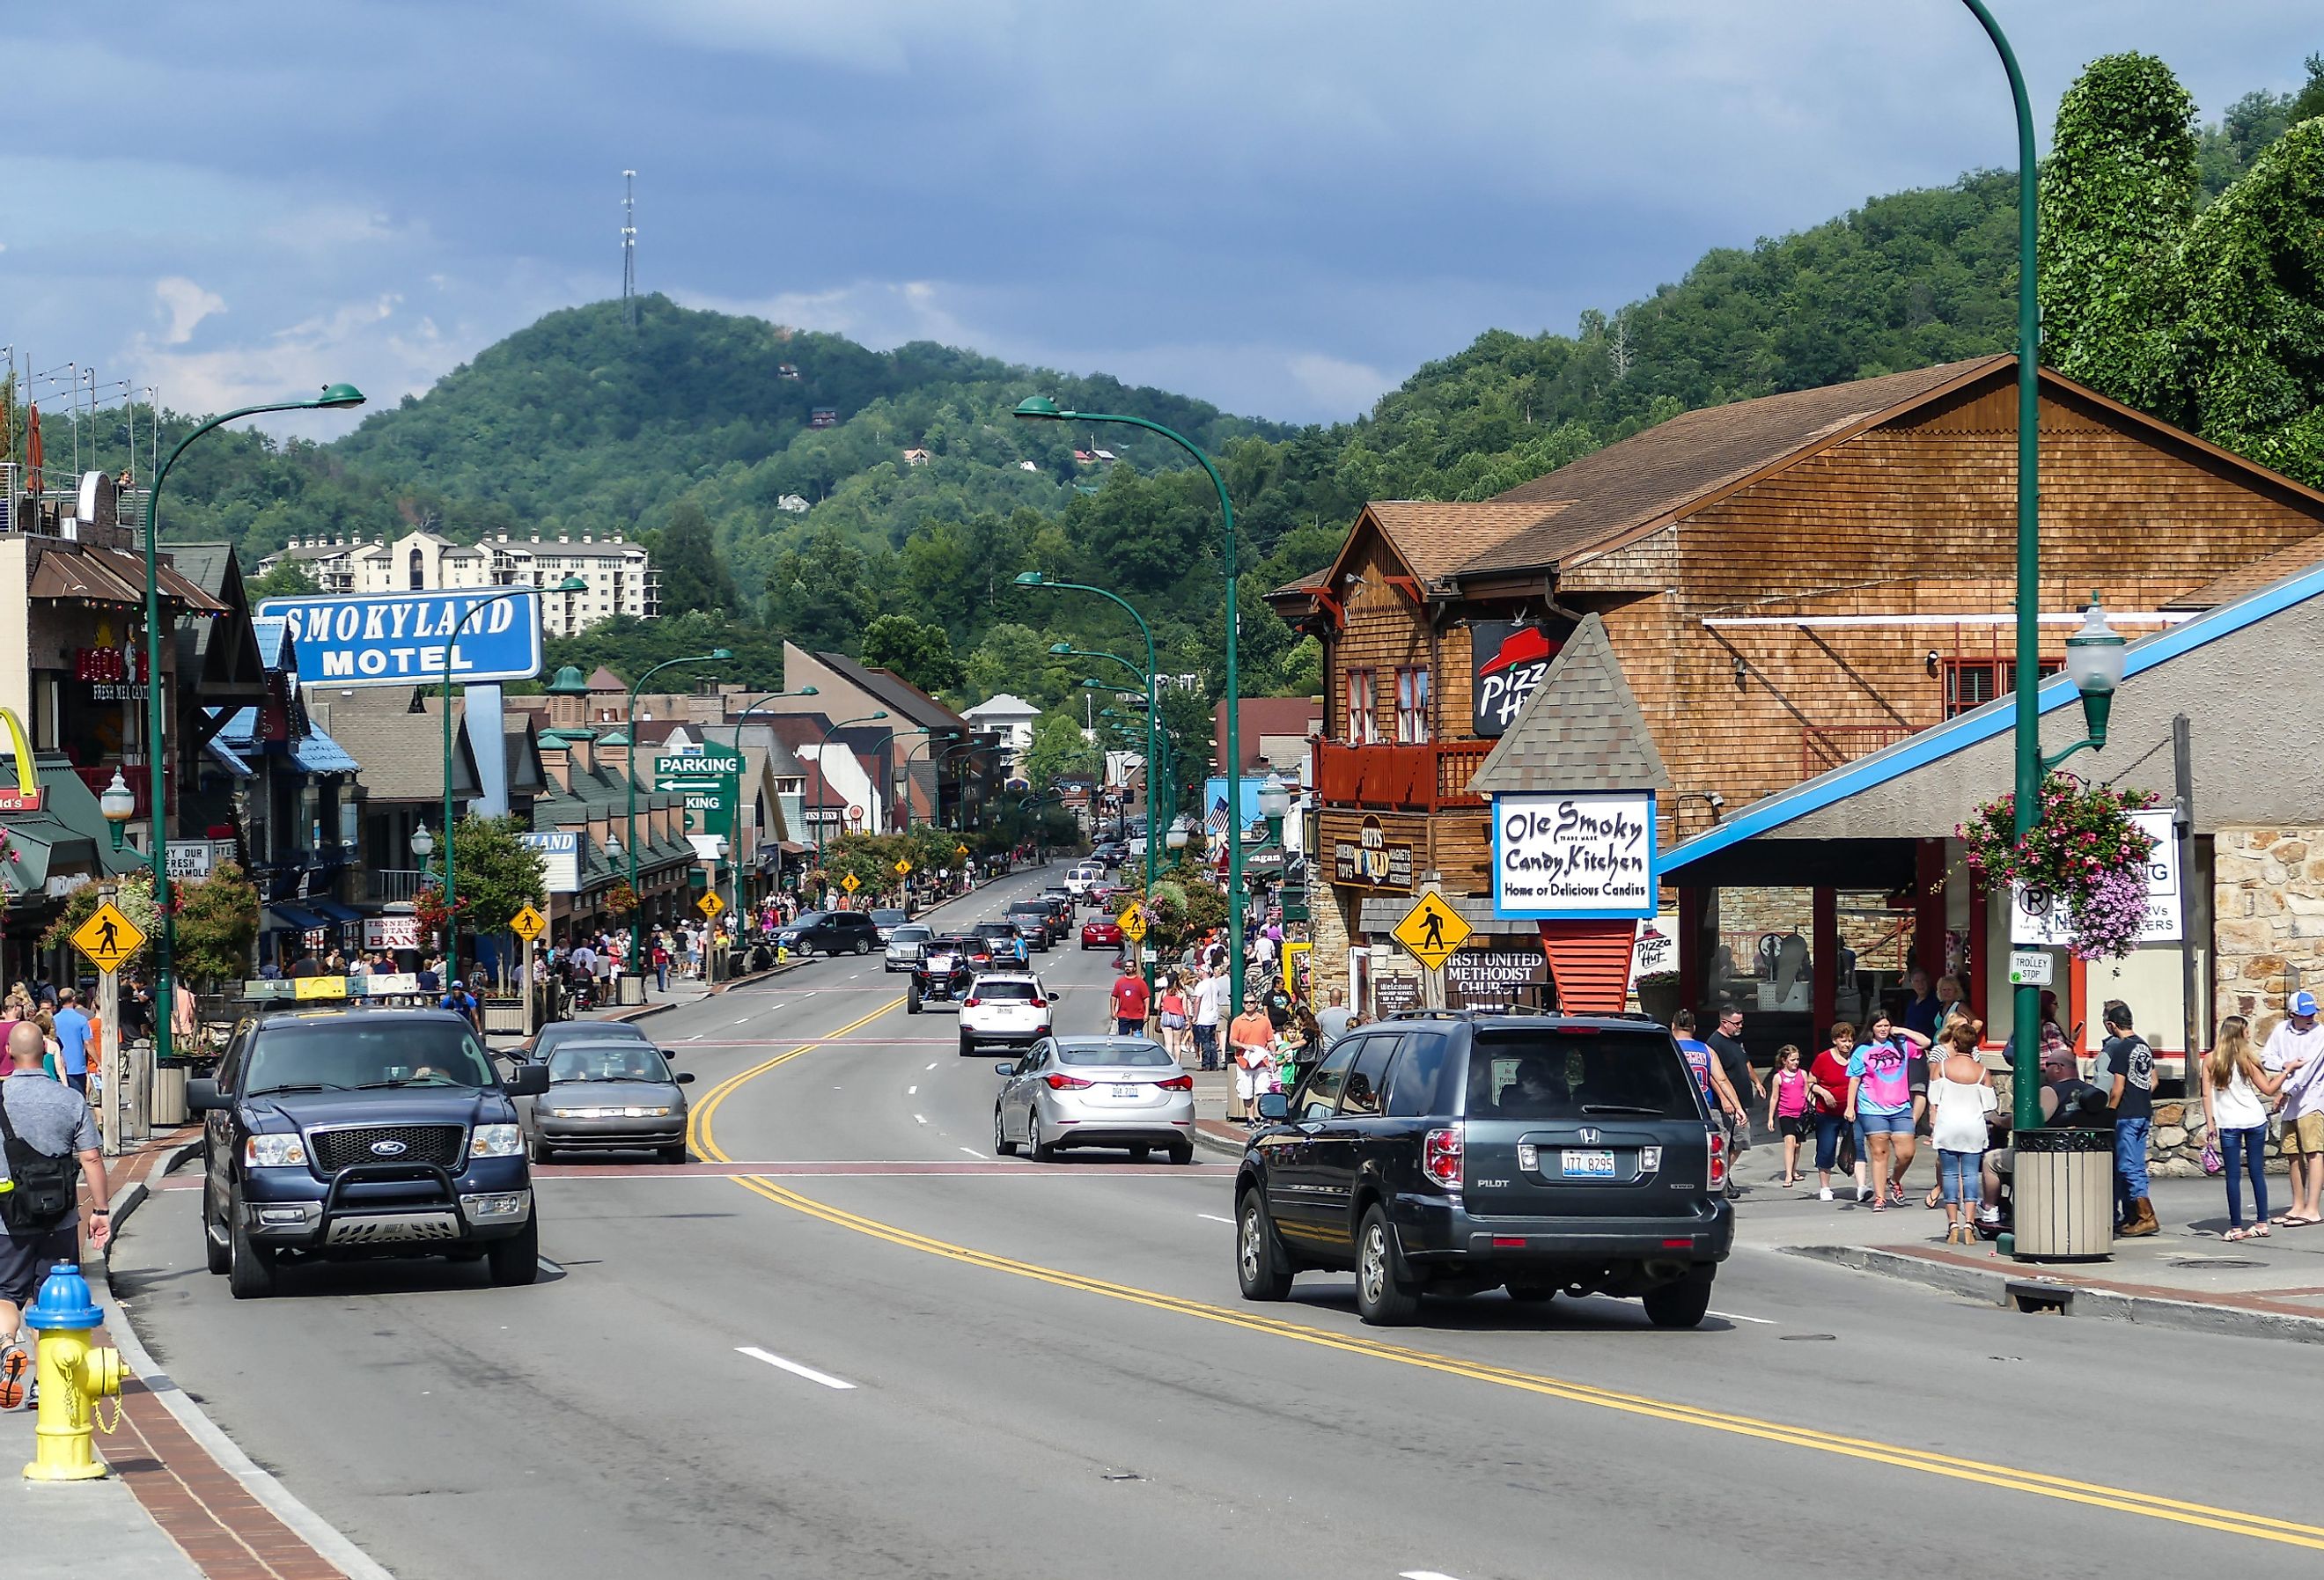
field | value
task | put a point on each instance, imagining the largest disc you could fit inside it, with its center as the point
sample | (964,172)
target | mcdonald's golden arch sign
(24,795)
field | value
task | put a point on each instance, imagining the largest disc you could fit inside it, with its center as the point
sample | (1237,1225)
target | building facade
(618,573)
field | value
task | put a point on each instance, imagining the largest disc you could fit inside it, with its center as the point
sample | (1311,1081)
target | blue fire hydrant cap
(65,1301)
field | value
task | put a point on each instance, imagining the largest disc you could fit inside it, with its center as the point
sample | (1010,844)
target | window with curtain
(1412,706)
(1364,724)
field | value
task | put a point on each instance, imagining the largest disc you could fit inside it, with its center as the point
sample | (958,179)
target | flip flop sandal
(15,1377)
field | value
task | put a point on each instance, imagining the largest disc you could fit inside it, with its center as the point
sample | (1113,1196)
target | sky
(1281,205)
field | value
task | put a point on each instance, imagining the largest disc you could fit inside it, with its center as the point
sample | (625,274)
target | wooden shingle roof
(1437,539)
(1581,730)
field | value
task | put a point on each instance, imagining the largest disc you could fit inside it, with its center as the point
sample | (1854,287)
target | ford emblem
(388,1149)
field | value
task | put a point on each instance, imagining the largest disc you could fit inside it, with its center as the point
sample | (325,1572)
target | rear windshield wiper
(1621,1108)
(296,1086)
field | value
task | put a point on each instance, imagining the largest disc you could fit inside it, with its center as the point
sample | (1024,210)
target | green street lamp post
(333,397)
(823,778)
(717,655)
(571,584)
(741,719)
(1041,409)
(1033,579)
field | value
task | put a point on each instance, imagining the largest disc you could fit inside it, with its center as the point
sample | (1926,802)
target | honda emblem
(1589,1136)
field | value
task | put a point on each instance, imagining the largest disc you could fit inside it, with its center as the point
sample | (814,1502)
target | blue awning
(319,753)
(332,911)
(284,918)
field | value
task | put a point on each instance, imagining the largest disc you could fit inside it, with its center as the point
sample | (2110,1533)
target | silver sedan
(605,1096)
(1094,1092)
(904,941)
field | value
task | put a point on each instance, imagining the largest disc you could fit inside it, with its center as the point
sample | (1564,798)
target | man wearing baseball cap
(2296,1048)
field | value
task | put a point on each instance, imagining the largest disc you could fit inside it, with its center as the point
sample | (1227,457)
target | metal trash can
(2064,1185)
(169,1097)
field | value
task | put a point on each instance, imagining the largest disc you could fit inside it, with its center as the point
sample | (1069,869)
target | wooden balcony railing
(1399,778)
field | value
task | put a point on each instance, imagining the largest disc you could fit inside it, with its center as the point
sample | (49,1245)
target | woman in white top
(2235,1087)
(1960,1096)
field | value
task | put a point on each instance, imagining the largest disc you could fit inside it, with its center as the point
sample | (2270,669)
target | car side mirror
(668,1053)
(529,1080)
(202,1095)
(1004,1069)
(684,1077)
(1273,1106)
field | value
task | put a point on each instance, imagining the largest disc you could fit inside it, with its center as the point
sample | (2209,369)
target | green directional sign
(710,781)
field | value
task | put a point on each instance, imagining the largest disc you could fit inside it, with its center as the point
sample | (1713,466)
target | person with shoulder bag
(46,1134)
(2235,1088)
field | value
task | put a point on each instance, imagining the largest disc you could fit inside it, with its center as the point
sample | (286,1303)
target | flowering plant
(621,898)
(2085,854)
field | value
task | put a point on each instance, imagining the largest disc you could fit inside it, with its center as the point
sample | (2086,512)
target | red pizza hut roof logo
(1507,677)
(1528,644)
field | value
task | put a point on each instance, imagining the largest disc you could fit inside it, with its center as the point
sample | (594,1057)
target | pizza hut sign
(1509,660)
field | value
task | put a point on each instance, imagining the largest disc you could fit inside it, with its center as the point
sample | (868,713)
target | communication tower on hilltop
(630,248)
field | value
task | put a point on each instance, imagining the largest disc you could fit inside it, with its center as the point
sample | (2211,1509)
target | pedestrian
(1176,1017)
(73,1032)
(2128,1063)
(1727,1042)
(1961,1099)
(1331,1021)
(1922,1010)
(2301,1103)
(2235,1088)
(1828,1089)
(463,1003)
(1788,1108)
(661,962)
(1210,1011)
(1131,1000)
(44,1129)
(1250,1040)
(1881,1104)
(1709,1075)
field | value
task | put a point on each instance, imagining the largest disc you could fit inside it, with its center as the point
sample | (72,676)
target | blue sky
(1283,206)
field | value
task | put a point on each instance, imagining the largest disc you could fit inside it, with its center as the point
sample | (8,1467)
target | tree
(217,924)
(920,653)
(693,576)
(287,579)
(1014,658)
(1057,752)
(495,873)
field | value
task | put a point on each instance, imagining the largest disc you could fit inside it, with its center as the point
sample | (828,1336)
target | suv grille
(335,1149)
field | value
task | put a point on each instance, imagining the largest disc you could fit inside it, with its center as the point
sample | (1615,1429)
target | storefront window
(1364,724)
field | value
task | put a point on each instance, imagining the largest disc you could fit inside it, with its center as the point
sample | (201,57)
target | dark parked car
(1003,938)
(1449,1152)
(359,1133)
(830,933)
(944,971)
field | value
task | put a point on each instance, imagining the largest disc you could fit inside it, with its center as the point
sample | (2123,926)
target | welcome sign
(1574,855)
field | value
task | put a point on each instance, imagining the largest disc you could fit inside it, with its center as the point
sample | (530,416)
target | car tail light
(1718,1161)
(1065,1083)
(1177,1084)
(969,1002)
(1439,1156)
(1040,1004)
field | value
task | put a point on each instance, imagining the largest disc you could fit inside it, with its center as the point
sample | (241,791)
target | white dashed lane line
(1214,1218)
(793,1367)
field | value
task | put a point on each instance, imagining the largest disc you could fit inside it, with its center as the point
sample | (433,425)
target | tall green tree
(921,653)
(693,576)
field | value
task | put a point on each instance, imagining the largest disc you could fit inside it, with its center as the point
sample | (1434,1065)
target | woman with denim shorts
(1960,1097)
(1880,1106)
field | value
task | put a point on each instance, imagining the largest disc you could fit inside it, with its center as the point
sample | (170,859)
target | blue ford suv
(1447,1152)
(361,1132)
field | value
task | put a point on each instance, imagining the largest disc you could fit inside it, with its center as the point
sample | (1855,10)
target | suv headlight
(495,1140)
(275,1152)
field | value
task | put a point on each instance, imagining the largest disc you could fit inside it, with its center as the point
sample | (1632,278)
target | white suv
(1010,1007)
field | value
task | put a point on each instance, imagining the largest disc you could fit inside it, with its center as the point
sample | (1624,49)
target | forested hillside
(2182,272)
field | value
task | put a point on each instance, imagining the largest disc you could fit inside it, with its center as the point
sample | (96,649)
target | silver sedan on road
(613,1095)
(1094,1092)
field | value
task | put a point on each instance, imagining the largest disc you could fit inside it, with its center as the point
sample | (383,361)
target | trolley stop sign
(1431,930)
(108,937)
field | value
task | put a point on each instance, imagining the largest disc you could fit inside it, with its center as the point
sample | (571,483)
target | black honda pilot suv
(1447,1152)
(359,1133)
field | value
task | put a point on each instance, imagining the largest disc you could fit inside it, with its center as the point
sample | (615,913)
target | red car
(1100,932)
(1105,894)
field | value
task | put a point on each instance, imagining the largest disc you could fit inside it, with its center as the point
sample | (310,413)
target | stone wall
(2268,920)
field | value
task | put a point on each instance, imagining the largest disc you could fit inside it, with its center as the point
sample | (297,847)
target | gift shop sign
(1571,856)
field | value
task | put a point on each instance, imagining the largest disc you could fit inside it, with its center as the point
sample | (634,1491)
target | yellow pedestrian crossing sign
(849,883)
(108,937)
(1133,924)
(903,865)
(528,924)
(1431,930)
(960,850)
(710,905)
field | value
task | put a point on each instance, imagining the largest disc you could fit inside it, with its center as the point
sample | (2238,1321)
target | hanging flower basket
(621,898)
(2085,853)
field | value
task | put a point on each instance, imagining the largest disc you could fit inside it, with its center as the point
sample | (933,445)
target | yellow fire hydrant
(71,1375)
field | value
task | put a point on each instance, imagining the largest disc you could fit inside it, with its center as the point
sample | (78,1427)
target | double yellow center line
(2009,1478)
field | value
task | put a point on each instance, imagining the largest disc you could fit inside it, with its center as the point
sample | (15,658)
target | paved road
(933,1363)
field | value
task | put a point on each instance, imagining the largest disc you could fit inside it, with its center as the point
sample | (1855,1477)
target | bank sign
(397,638)
(1574,855)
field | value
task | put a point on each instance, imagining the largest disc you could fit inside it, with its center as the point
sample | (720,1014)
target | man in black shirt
(1727,1042)
(2128,1068)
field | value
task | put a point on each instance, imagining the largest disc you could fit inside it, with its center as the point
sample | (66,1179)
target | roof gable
(1581,730)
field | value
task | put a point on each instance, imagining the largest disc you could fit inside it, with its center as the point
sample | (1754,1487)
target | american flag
(1217,821)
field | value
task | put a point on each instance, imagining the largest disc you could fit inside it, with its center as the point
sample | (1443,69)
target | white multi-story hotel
(620,580)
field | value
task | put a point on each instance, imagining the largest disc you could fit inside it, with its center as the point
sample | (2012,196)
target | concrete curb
(2085,1299)
(278,1500)
(1224,1147)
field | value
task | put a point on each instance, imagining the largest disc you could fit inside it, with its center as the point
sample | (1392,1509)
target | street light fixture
(2095,658)
(717,655)
(333,397)
(743,719)
(823,777)
(423,844)
(119,804)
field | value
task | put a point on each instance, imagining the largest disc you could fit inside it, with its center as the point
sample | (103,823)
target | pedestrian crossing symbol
(108,937)
(1431,930)
(903,867)
(1133,924)
(849,883)
(528,924)
(710,905)
(960,850)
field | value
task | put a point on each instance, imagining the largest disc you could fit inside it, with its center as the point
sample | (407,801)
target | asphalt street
(920,1360)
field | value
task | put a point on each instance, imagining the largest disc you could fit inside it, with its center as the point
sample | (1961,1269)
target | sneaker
(1824,1195)
(1862,1195)
(15,1377)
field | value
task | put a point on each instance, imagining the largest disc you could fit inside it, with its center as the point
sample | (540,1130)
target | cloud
(187,304)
